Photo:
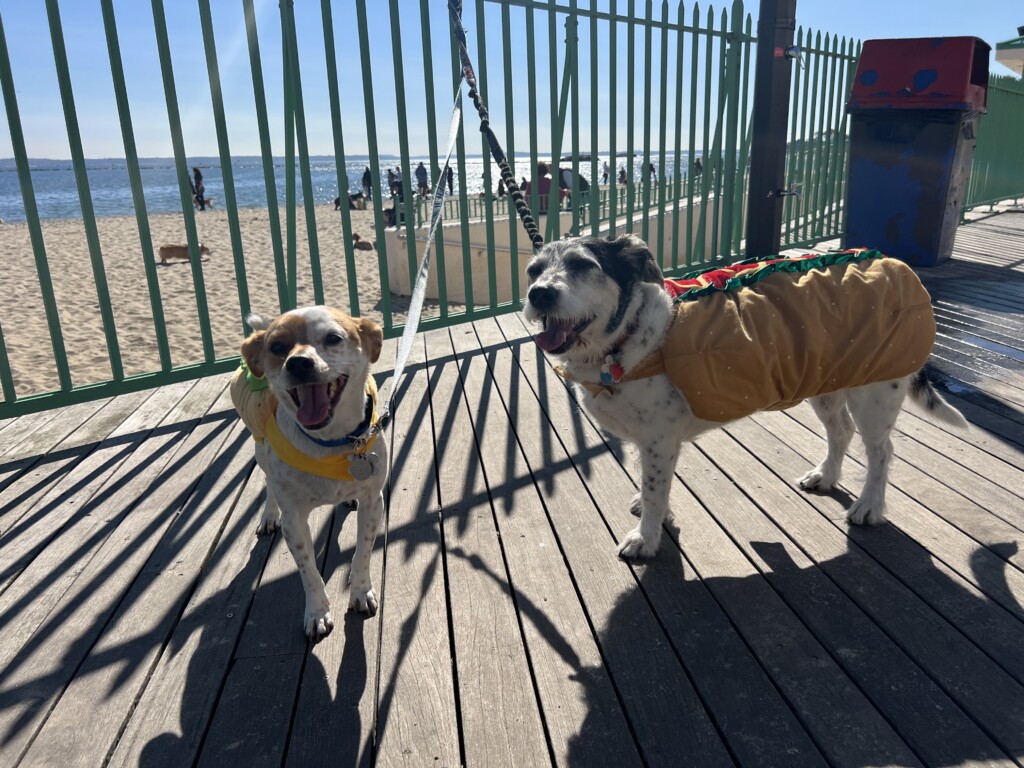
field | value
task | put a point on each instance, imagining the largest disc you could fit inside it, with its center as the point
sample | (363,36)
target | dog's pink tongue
(554,335)
(314,404)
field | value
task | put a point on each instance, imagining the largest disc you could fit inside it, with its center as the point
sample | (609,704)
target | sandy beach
(23,317)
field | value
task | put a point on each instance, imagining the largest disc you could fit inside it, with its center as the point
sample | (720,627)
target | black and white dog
(597,297)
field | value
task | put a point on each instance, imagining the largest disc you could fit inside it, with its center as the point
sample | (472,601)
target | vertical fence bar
(35,231)
(613,161)
(340,166)
(290,201)
(464,205)
(572,38)
(694,65)
(184,190)
(554,203)
(680,175)
(227,172)
(6,380)
(492,278)
(308,199)
(792,153)
(731,82)
(743,181)
(269,180)
(435,170)
(92,237)
(405,197)
(531,95)
(371,138)
(710,166)
(630,109)
(645,172)
(840,177)
(662,132)
(804,154)
(135,182)
(513,221)
(595,188)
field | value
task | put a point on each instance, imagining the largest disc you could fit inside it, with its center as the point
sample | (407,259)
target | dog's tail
(928,399)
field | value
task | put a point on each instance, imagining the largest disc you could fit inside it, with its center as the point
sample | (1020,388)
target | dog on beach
(305,392)
(657,373)
(207,201)
(168,253)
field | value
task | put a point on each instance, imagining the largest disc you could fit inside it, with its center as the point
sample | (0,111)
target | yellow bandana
(257,406)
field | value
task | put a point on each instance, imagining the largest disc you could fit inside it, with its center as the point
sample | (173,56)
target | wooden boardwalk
(142,622)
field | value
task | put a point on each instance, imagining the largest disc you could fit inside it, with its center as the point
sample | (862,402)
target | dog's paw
(818,480)
(634,546)
(363,602)
(319,625)
(268,526)
(863,512)
(636,506)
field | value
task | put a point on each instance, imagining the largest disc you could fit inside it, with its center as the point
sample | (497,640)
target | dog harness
(766,335)
(257,406)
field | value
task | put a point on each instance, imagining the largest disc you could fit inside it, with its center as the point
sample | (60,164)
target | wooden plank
(169,721)
(974,563)
(53,431)
(750,503)
(501,722)
(336,708)
(87,719)
(966,606)
(753,717)
(39,674)
(953,367)
(416,710)
(979,685)
(950,491)
(989,432)
(582,714)
(44,471)
(31,598)
(845,726)
(30,529)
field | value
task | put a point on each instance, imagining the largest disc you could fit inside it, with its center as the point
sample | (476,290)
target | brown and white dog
(307,397)
(170,252)
(603,303)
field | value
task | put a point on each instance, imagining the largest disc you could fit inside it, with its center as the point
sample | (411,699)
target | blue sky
(28,40)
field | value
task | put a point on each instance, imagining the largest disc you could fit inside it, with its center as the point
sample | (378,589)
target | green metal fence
(997,170)
(659,91)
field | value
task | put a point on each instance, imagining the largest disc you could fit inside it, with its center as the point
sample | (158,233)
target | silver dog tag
(361,465)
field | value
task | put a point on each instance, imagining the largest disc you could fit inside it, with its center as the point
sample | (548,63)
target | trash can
(914,112)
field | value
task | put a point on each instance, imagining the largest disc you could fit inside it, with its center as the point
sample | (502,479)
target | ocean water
(56,193)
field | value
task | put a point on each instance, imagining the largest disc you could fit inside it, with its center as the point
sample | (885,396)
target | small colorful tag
(611,372)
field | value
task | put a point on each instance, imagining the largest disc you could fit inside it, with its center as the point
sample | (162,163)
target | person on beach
(198,189)
(501,187)
(622,174)
(391,179)
(604,175)
(698,168)
(450,178)
(543,187)
(367,178)
(421,179)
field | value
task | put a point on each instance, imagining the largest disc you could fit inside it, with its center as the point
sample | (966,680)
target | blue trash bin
(914,112)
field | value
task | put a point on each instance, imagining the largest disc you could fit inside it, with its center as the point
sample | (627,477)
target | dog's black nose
(542,297)
(300,367)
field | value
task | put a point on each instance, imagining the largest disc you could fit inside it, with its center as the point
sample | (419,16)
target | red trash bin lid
(922,73)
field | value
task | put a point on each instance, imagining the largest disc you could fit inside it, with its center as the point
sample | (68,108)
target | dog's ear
(636,253)
(371,337)
(252,352)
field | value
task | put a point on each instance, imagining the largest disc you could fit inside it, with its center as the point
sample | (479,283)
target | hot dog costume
(769,334)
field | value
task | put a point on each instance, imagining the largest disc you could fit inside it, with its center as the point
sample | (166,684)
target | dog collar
(349,465)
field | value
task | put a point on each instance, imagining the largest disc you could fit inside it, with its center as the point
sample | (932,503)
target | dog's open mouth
(316,401)
(559,334)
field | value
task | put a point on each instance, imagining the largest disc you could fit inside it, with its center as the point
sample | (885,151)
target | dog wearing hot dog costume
(659,362)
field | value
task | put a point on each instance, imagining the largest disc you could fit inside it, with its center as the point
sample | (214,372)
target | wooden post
(773,74)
